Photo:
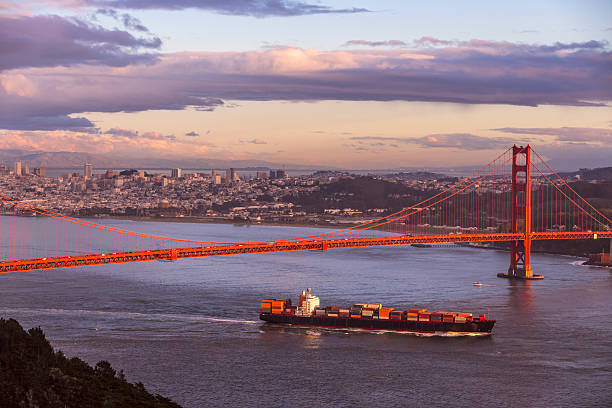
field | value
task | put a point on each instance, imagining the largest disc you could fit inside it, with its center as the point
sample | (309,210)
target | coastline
(219,220)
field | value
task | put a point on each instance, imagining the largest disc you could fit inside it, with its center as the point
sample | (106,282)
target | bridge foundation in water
(520,250)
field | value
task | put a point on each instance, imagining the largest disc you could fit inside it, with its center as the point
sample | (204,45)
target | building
(25,170)
(231,175)
(40,171)
(216,179)
(175,173)
(18,168)
(87,170)
(278,174)
(262,175)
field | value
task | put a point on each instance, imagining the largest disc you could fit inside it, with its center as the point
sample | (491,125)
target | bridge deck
(276,246)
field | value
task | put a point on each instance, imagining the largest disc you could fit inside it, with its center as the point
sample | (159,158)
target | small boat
(477,284)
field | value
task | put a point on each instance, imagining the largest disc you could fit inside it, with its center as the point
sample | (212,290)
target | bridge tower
(520,250)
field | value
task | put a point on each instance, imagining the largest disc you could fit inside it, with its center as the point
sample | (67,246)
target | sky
(347,84)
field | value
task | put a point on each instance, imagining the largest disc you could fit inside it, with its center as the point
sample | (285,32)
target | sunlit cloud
(566,134)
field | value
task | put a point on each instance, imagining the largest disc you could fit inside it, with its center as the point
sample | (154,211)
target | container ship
(308,312)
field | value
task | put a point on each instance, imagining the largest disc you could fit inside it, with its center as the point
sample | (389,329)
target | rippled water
(190,330)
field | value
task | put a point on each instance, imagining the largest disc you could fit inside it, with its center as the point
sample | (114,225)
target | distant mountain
(419,175)
(101,161)
(600,173)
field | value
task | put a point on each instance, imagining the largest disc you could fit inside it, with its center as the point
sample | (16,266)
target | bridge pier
(520,250)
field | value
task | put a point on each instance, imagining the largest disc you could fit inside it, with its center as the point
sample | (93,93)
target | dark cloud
(462,141)
(255,8)
(566,134)
(45,122)
(389,43)
(481,73)
(508,47)
(46,41)
(192,134)
(254,141)
(134,134)
(129,22)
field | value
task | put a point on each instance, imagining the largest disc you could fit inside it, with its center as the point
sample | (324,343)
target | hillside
(32,374)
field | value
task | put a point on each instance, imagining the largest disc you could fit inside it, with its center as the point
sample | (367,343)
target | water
(189,329)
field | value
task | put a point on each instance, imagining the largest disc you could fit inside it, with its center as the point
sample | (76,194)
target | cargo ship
(369,316)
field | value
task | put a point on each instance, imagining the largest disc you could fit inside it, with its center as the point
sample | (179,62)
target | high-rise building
(40,171)
(176,173)
(231,175)
(262,174)
(18,168)
(87,170)
(280,174)
(25,170)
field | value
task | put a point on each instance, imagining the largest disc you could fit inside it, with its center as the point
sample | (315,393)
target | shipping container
(396,315)
(355,316)
(373,305)
(417,310)
(448,318)
(367,312)
(383,313)
(424,317)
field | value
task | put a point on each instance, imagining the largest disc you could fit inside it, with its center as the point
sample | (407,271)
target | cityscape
(291,203)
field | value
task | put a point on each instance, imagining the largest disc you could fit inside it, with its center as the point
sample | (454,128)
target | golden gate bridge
(512,198)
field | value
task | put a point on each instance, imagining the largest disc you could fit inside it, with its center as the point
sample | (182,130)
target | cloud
(121,141)
(134,134)
(254,141)
(193,134)
(389,43)
(48,41)
(131,134)
(255,8)
(566,134)
(129,22)
(431,41)
(481,72)
(462,141)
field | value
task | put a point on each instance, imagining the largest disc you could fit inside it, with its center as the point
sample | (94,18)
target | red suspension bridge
(513,198)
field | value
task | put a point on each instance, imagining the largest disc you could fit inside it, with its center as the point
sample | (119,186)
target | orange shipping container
(383,313)
(417,310)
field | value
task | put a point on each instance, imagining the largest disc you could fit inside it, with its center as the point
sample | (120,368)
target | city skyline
(338,84)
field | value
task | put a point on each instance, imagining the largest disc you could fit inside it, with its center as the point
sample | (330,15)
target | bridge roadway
(275,246)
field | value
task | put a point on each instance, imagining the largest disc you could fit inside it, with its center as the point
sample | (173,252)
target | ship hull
(477,327)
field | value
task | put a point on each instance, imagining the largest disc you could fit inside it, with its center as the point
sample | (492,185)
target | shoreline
(204,220)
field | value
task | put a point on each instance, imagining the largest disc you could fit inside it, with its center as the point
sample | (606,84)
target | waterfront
(189,329)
